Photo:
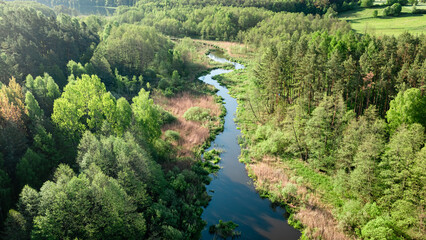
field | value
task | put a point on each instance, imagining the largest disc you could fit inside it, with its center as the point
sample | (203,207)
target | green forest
(87,106)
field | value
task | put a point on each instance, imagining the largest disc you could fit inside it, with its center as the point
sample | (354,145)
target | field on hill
(362,21)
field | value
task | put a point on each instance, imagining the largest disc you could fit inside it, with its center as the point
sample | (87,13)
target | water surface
(234,197)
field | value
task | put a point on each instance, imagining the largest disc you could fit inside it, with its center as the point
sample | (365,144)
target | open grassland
(362,21)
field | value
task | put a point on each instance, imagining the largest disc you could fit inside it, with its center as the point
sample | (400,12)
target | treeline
(79,4)
(334,60)
(218,23)
(311,6)
(352,108)
(83,157)
(213,22)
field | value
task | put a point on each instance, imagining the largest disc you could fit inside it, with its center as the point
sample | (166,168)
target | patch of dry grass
(315,216)
(192,134)
(233,49)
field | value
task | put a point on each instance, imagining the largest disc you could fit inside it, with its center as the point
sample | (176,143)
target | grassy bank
(307,194)
(192,136)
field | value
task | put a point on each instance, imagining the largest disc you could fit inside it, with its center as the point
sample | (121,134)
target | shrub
(211,155)
(349,215)
(393,10)
(396,9)
(378,228)
(224,230)
(197,114)
(165,116)
(375,13)
(163,84)
(289,191)
(387,11)
(171,135)
(367,3)
(392,2)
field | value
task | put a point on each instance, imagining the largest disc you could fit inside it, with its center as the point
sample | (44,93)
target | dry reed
(192,134)
(315,216)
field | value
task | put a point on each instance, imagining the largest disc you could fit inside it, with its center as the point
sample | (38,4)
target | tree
(5,190)
(363,179)
(80,107)
(124,159)
(90,205)
(33,169)
(356,133)
(131,49)
(146,116)
(323,130)
(45,91)
(399,167)
(379,228)
(367,3)
(35,113)
(13,135)
(408,107)
(123,115)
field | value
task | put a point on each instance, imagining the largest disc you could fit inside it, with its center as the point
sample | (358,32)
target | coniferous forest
(101,136)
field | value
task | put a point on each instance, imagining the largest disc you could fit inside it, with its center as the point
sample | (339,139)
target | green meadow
(362,20)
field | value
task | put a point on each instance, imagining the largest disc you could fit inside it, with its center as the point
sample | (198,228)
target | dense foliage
(81,152)
(320,93)
(34,43)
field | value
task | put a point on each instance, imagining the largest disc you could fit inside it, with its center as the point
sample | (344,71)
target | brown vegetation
(233,49)
(315,216)
(192,134)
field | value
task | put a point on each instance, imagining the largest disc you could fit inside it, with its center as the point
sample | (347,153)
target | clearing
(362,20)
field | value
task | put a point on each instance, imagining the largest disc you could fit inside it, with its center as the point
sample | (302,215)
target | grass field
(362,21)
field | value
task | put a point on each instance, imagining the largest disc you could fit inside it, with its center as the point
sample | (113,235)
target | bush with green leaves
(367,3)
(165,116)
(379,228)
(408,107)
(197,114)
(392,2)
(224,230)
(171,135)
(212,156)
(393,10)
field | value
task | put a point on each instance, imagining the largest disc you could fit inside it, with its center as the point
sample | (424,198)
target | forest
(86,151)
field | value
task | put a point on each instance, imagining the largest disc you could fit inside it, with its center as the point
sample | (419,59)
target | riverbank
(192,137)
(287,182)
(234,197)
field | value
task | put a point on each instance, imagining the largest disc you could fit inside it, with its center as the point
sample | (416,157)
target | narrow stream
(234,197)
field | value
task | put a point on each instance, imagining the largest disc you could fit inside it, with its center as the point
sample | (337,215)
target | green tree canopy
(408,107)
(80,107)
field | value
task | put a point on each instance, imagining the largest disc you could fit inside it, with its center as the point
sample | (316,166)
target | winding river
(234,197)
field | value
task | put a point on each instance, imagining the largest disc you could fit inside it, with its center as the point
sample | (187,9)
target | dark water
(234,197)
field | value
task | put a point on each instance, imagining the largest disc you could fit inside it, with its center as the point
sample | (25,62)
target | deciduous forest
(103,122)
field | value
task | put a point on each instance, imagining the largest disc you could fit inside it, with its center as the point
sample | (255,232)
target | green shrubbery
(367,3)
(392,2)
(171,135)
(198,114)
(393,10)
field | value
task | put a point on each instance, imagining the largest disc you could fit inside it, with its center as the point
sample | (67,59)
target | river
(234,197)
